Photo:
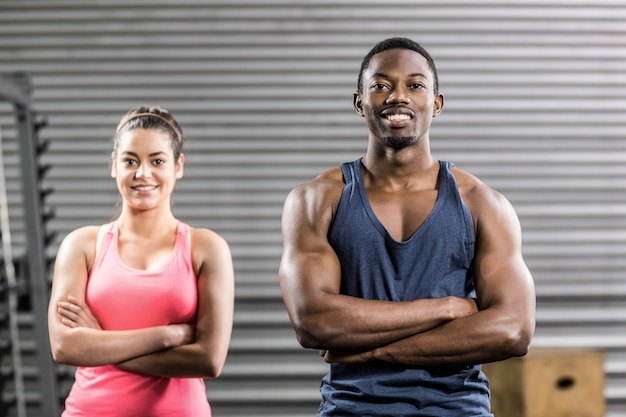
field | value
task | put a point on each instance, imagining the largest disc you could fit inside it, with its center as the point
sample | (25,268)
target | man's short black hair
(398,43)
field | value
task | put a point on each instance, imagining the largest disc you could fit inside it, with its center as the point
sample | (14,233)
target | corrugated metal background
(535,106)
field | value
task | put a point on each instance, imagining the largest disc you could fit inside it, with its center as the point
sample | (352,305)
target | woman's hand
(180,334)
(76,314)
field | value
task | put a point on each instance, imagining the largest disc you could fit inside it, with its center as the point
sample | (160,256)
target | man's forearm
(369,324)
(483,337)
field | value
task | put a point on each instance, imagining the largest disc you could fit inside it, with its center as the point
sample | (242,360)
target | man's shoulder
(319,195)
(465,178)
(477,194)
(469,183)
(329,178)
(328,181)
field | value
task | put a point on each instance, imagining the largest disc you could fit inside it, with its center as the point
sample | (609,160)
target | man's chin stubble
(399,142)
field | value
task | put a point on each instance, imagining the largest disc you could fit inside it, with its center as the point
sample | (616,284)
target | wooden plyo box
(548,383)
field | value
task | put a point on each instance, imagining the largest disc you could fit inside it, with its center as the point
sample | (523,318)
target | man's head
(398,94)
(401,43)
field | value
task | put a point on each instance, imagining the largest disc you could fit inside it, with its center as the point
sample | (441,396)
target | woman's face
(145,169)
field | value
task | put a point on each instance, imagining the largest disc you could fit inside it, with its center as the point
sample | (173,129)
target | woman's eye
(129,162)
(158,162)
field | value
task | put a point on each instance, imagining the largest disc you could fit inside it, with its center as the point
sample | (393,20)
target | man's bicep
(307,215)
(309,266)
(309,273)
(502,277)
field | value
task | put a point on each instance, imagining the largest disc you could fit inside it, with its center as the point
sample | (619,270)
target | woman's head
(151,117)
(147,158)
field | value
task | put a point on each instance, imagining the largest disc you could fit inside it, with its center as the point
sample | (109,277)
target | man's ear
(358,103)
(438,107)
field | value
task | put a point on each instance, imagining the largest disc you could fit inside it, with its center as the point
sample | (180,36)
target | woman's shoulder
(207,246)
(206,241)
(82,235)
(81,241)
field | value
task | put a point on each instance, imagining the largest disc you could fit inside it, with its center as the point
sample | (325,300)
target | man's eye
(417,86)
(379,86)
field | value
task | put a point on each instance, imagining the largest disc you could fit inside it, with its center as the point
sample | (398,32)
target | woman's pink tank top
(124,298)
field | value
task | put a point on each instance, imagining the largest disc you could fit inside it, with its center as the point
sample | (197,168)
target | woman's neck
(146,223)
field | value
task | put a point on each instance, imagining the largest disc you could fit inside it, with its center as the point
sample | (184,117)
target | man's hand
(346,358)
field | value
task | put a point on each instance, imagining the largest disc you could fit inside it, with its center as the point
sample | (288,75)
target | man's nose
(398,95)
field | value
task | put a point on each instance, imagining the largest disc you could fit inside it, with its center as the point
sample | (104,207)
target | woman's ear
(358,103)
(180,166)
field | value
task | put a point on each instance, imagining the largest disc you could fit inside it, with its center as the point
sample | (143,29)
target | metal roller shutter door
(535,106)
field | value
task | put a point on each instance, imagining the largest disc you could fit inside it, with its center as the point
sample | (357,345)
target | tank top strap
(351,177)
(183,237)
(445,180)
(347,169)
(106,234)
(449,185)
(445,175)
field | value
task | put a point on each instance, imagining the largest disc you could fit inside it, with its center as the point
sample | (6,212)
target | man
(404,271)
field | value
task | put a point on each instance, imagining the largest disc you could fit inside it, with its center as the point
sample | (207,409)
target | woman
(142,306)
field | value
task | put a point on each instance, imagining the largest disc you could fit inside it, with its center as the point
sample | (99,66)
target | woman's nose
(143,172)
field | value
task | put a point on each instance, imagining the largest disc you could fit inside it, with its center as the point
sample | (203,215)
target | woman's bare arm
(87,346)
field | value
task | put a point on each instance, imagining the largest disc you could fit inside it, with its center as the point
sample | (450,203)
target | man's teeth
(394,117)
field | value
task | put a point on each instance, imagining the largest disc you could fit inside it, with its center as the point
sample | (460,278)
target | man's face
(398,99)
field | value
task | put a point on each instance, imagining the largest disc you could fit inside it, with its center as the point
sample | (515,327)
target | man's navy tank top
(434,262)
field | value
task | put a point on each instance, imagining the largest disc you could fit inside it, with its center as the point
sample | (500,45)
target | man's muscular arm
(505,293)
(310,277)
